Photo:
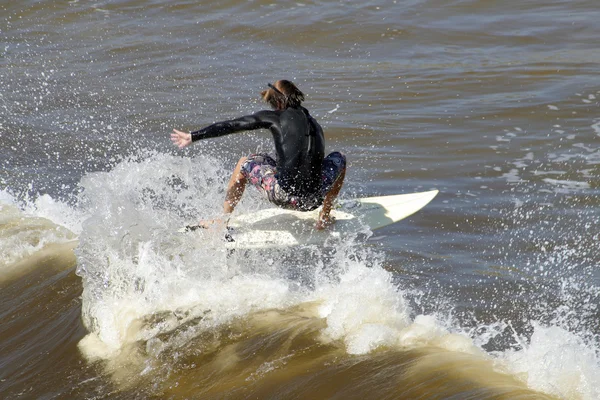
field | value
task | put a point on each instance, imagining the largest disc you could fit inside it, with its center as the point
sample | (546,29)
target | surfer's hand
(181,139)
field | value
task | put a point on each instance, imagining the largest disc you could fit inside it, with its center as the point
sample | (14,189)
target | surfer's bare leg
(325,219)
(235,188)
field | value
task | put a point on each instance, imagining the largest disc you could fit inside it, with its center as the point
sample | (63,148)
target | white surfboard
(277,227)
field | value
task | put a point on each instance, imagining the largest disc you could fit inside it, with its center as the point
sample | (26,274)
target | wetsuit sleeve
(262,119)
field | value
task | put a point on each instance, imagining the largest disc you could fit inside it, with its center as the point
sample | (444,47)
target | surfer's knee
(239,170)
(338,158)
(241,162)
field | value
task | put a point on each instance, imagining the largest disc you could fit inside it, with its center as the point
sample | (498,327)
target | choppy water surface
(491,291)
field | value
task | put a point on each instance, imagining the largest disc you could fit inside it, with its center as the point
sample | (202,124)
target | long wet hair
(282,95)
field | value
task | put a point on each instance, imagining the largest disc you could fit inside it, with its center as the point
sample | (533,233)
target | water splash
(28,226)
(150,290)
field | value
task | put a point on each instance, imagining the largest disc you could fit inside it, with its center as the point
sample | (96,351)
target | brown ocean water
(490,292)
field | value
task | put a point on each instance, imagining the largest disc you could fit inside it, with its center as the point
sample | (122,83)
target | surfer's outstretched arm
(261,119)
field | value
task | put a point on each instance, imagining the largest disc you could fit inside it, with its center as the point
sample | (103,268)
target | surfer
(300,177)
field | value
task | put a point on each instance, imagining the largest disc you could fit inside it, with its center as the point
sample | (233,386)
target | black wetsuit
(299,143)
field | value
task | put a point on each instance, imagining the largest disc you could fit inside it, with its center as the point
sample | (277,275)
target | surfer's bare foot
(324,222)
(216,223)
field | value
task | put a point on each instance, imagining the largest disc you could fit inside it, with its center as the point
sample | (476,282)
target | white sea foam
(364,309)
(134,263)
(557,362)
(28,226)
(367,311)
(7,198)
(58,212)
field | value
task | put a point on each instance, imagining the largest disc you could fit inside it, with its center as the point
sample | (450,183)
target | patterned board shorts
(260,171)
